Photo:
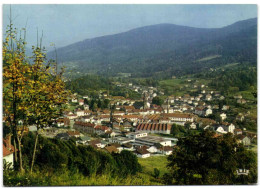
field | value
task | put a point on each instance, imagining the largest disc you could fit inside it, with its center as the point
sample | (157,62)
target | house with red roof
(81,102)
(73,134)
(8,151)
(154,128)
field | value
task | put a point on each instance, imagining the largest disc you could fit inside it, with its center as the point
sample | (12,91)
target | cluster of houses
(151,118)
(140,143)
(188,111)
(133,128)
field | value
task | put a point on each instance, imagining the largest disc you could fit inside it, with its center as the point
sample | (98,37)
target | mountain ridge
(119,52)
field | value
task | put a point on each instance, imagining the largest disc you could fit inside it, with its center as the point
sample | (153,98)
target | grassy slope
(182,86)
(75,179)
(150,163)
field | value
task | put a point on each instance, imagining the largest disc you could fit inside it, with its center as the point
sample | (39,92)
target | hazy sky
(66,24)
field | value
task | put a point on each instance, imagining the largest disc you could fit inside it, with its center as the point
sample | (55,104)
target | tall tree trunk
(34,150)
(15,151)
(15,155)
(20,155)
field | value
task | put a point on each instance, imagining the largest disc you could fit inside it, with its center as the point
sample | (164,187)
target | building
(63,122)
(240,117)
(225,107)
(203,111)
(241,101)
(71,116)
(223,116)
(192,126)
(84,127)
(154,128)
(179,118)
(111,149)
(208,97)
(80,112)
(220,129)
(96,143)
(81,102)
(8,150)
(152,141)
(135,135)
(166,150)
(228,127)
(121,140)
(142,152)
(74,100)
(238,132)
(244,140)
(73,134)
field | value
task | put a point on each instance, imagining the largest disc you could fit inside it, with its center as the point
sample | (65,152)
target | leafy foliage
(205,159)
(241,78)
(157,100)
(54,155)
(34,93)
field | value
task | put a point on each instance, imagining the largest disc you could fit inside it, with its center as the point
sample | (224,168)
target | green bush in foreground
(63,163)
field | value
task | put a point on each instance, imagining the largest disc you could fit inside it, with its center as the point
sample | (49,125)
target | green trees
(156,172)
(157,100)
(127,162)
(56,157)
(236,79)
(85,84)
(95,103)
(205,159)
(33,92)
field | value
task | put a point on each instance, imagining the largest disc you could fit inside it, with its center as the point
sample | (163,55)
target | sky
(67,24)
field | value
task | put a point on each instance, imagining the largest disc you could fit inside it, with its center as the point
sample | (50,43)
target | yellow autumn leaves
(32,90)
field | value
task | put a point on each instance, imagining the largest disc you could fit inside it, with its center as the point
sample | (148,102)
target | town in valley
(165,97)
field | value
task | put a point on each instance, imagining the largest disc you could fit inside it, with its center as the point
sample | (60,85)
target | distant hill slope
(167,48)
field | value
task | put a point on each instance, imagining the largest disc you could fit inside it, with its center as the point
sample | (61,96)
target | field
(150,163)
(181,86)
(173,86)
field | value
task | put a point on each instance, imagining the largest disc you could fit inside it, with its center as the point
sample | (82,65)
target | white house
(85,97)
(229,127)
(152,149)
(166,150)
(81,102)
(135,135)
(71,115)
(208,97)
(208,111)
(220,129)
(80,112)
(223,116)
(74,100)
(225,107)
(142,152)
(193,126)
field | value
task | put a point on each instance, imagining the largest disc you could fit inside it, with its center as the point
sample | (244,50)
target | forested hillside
(167,48)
